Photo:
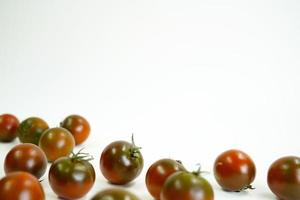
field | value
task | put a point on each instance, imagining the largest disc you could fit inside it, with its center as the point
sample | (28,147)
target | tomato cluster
(71,175)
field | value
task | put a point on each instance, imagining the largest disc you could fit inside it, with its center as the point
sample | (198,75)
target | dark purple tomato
(57,142)
(115,194)
(158,172)
(78,126)
(121,162)
(31,129)
(184,185)
(21,186)
(284,178)
(8,127)
(234,170)
(72,177)
(26,157)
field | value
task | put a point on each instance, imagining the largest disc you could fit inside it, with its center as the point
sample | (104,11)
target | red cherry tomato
(234,170)
(157,174)
(78,126)
(115,194)
(284,178)
(184,185)
(31,129)
(57,142)
(26,157)
(72,177)
(21,186)
(121,162)
(8,127)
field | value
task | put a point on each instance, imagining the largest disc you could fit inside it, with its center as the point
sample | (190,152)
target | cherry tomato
(8,127)
(26,157)
(158,172)
(78,126)
(234,170)
(184,185)
(284,178)
(115,194)
(21,186)
(121,162)
(31,129)
(72,177)
(57,142)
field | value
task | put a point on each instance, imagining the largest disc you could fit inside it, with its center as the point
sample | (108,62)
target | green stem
(134,151)
(80,156)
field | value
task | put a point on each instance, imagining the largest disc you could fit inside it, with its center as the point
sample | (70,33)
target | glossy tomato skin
(31,129)
(8,127)
(56,142)
(115,194)
(71,179)
(119,164)
(234,170)
(158,172)
(78,126)
(26,157)
(21,186)
(284,178)
(184,185)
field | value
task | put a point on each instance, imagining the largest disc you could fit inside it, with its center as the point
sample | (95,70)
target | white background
(190,78)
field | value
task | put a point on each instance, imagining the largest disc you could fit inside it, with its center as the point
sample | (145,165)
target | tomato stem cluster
(80,156)
(250,187)
(198,172)
(134,151)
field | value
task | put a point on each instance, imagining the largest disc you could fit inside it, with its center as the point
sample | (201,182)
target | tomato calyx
(81,156)
(198,172)
(134,150)
(248,187)
(179,161)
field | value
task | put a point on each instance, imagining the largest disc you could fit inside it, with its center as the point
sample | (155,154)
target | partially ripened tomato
(21,186)
(234,170)
(31,129)
(56,142)
(158,172)
(78,126)
(184,185)
(115,194)
(26,157)
(72,177)
(284,178)
(121,162)
(8,127)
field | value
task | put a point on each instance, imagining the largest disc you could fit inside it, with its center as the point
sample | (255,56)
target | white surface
(190,78)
